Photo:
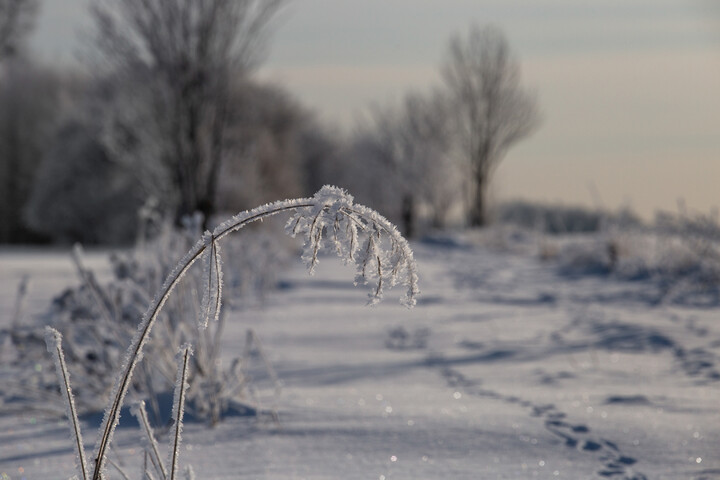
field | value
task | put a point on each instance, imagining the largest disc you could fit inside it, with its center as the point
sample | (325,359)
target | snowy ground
(505,370)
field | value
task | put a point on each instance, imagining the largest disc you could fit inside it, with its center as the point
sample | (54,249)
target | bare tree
(388,144)
(17,19)
(427,138)
(180,57)
(493,110)
(407,148)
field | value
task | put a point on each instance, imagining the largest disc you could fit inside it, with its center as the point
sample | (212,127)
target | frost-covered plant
(328,220)
(682,263)
(98,319)
(53,338)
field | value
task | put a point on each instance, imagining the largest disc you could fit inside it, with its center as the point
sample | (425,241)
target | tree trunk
(476,216)
(188,154)
(408,215)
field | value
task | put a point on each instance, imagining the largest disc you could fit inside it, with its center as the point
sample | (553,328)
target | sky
(629,90)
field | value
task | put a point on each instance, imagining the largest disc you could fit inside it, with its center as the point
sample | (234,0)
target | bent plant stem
(329,200)
(134,351)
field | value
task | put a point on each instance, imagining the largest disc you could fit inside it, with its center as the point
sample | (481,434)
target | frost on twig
(358,235)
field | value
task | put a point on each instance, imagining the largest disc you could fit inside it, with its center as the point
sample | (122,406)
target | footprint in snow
(615,464)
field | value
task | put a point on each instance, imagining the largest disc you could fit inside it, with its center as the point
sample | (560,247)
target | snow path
(504,370)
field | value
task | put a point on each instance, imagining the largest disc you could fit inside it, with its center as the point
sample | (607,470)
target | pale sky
(629,89)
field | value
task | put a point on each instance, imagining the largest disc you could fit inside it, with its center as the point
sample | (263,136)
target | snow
(505,369)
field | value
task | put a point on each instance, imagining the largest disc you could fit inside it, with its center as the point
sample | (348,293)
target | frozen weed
(328,220)
(54,346)
(98,320)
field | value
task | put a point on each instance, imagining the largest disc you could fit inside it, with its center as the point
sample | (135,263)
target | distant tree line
(172,117)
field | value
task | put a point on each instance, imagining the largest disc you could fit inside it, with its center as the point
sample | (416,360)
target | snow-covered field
(506,369)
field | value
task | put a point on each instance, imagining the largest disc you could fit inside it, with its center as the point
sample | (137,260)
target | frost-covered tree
(17,19)
(180,58)
(100,167)
(493,110)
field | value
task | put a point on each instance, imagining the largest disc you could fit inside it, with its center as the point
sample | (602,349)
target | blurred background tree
(183,60)
(492,109)
(433,155)
(406,150)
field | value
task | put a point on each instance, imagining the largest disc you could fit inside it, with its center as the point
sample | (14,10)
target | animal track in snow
(615,464)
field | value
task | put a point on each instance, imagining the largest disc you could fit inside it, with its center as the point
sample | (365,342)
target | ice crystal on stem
(358,235)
